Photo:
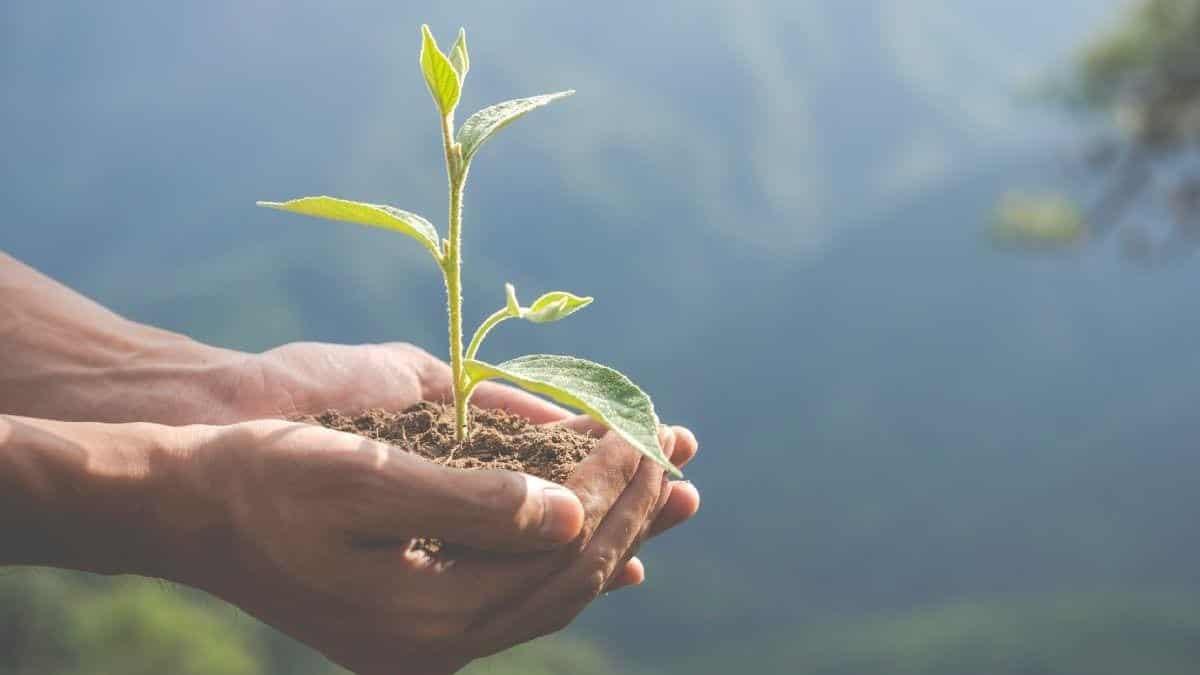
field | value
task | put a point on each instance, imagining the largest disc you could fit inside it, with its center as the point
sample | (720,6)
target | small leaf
(603,393)
(1039,222)
(510,300)
(480,126)
(374,215)
(440,75)
(458,56)
(553,306)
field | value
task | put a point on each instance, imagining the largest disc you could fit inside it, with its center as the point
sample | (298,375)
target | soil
(499,440)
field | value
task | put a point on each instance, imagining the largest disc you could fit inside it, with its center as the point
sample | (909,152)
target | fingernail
(562,515)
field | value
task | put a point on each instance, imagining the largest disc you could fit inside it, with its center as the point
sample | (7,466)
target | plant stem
(452,270)
(484,328)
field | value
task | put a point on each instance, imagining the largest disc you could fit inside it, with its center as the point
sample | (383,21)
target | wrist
(105,498)
(93,365)
(166,378)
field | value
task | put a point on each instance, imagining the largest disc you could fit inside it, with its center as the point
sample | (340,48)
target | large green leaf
(480,126)
(374,215)
(603,393)
(443,80)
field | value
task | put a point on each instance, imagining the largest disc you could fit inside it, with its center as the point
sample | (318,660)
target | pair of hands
(304,527)
(319,519)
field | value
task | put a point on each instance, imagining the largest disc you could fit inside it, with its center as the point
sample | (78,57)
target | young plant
(599,391)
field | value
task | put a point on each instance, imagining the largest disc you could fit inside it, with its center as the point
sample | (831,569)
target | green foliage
(601,392)
(482,125)
(442,78)
(170,635)
(72,624)
(69,623)
(604,394)
(459,57)
(1101,634)
(1143,71)
(551,307)
(546,657)
(1040,222)
(373,215)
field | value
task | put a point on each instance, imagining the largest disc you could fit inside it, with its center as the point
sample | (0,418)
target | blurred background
(916,271)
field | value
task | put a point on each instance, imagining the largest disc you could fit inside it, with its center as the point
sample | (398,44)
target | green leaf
(603,393)
(374,215)
(553,306)
(510,300)
(1045,222)
(440,75)
(480,126)
(458,56)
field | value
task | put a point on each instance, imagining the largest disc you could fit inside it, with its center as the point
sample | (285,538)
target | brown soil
(499,440)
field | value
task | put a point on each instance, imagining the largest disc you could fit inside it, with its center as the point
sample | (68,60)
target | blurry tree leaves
(1048,222)
(67,623)
(1142,78)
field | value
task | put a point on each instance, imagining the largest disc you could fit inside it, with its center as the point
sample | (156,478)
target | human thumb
(498,510)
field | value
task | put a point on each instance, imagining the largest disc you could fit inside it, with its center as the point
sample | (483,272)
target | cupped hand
(310,377)
(319,526)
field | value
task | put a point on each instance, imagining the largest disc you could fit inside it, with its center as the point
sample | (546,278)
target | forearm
(63,356)
(106,498)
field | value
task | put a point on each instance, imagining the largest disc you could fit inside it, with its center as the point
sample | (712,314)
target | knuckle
(576,548)
(596,582)
(599,571)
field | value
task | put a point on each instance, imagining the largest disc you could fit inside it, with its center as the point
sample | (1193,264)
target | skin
(126,449)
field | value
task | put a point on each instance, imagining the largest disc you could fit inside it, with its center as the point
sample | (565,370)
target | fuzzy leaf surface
(373,215)
(553,306)
(599,391)
(483,124)
(459,58)
(440,75)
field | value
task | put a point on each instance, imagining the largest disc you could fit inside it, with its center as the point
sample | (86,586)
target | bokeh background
(924,449)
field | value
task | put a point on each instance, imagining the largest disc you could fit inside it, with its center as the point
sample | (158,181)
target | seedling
(599,391)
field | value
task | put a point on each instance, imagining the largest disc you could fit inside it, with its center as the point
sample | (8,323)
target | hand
(319,521)
(309,377)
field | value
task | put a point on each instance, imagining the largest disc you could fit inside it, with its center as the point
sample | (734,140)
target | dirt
(498,440)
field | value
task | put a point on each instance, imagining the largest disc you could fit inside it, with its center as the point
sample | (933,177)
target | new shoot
(599,391)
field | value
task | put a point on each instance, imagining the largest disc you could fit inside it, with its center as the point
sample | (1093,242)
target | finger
(686,446)
(654,514)
(632,574)
(558,600)
(529,571)
(685,441)
(489,510)
(583,424)
(503,397)
(598,481)
(611,480)
(601,478)
(683,502)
